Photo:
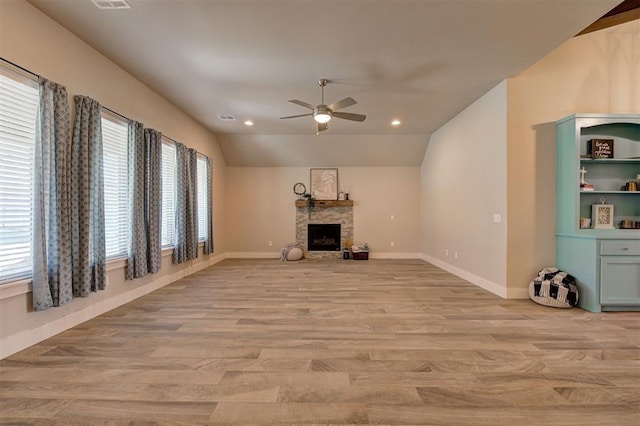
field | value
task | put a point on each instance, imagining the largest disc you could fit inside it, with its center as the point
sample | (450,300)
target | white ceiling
(419,61)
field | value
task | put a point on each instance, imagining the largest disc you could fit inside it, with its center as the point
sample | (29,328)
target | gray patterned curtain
(145,146)
(87,199)
(208,242)
(137,265)
(52,272)
(186,246)
(153,199)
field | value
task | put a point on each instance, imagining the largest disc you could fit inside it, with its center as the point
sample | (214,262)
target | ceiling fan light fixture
(322,117)
(322,114)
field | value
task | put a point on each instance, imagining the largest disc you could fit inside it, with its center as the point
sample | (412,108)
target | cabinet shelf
(610,160)
(611,192)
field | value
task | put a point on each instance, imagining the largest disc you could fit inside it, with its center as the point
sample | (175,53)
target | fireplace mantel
(325,203)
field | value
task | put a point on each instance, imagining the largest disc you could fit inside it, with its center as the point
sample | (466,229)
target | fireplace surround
(331,212)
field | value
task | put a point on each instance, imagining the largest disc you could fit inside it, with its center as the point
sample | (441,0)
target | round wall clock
(299,189)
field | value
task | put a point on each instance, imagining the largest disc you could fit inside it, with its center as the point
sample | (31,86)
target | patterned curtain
(153,199)
(137,265)
(186,246)
(208,242)
(87,199)
(145,247)
(52,272)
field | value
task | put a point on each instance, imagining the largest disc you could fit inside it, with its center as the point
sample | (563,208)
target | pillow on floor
(555,288)
(292,251)
(294,254)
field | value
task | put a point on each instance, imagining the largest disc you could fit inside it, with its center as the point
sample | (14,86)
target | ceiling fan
(323,113)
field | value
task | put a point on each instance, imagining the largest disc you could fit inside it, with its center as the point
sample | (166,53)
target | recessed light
(395,123)
(248,123)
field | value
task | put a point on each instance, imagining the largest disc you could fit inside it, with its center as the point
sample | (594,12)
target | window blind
(116,187)
(168,192)
(203,200)
(18,109)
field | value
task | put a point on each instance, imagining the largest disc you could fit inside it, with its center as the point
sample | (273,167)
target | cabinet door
(620,280)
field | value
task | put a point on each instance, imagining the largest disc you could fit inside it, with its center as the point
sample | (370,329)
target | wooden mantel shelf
(325,203)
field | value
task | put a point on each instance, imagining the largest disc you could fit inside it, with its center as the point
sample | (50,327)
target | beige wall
(32,40)
(260,207)
(597,72)
(463,185)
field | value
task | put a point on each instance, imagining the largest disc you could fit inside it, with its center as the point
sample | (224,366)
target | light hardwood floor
(330,341)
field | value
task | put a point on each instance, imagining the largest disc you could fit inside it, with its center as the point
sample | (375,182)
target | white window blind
(18,109)
(116,185)
(203,200)
(168,192)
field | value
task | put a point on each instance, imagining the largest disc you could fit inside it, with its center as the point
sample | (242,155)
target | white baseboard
(253,255)
(484,283)
(389,255)
(22,340)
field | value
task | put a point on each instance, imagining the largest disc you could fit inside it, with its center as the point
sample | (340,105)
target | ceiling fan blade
(296,116)
(349,116)
(301,103)
(346,102)
(322,127)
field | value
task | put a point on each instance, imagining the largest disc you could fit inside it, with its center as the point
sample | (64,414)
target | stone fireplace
(334,212)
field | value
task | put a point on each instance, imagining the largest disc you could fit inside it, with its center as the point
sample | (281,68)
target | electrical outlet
(270,243)
(497,218)
(455,254)
(393,243)
(446,252)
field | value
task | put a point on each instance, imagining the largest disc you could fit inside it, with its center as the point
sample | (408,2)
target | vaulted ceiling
(418,61)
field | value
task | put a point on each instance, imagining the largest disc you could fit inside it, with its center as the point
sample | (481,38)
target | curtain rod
(114,112)
(175,141)
(19,67)
(171,139)
(103,107)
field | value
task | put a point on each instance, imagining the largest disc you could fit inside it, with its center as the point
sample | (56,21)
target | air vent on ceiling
(226,117)
(111,4)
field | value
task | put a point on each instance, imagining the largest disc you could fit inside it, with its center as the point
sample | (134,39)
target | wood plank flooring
(330,342)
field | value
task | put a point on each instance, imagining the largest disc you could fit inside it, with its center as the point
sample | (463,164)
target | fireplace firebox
(323,237)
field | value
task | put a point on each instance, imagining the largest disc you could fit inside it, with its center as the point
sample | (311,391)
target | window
(168,193)
(18,109)
(203,199)
(115,147)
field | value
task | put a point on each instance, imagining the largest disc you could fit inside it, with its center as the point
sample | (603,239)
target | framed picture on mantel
(324,184)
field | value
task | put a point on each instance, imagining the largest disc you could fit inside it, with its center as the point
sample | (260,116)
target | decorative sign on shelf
(600,148)
(602,215)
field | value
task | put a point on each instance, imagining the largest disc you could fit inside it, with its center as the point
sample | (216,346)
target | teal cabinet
(605,262)
(621,276)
